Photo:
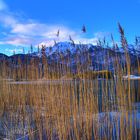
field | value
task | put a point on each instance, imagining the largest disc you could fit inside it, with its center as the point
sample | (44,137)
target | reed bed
(49,103)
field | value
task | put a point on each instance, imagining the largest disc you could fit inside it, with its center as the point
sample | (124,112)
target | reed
(68,105)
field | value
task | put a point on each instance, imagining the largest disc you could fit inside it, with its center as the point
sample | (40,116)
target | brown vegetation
(67,109)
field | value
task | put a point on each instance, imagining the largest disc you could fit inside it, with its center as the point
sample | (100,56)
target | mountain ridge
(102,57)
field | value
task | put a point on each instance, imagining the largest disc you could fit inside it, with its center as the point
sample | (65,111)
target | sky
(36,22)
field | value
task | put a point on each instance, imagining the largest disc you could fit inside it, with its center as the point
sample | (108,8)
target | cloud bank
(3,6)
(20,31)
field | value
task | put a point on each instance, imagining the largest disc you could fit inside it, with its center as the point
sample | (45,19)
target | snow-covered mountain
(100,56)
(65,47)
(71,54)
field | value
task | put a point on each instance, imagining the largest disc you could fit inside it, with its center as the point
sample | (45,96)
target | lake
(102,105)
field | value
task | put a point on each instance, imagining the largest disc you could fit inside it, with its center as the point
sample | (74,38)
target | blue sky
(25,22)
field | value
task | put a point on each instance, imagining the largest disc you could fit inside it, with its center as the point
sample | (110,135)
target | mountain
(101,57)
(3,57)
(65,47)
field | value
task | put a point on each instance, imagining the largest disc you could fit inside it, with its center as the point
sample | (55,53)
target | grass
(66,108)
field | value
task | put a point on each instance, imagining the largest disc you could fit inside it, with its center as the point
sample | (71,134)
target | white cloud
(18,41)
(26,31)
(10,51)
(3,6)
(42,30)
(8,20)
(101,35)
(32,29)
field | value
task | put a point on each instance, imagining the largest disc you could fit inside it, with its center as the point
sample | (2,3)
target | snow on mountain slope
(73,54)
(130,49)
(65,47)
(68,47)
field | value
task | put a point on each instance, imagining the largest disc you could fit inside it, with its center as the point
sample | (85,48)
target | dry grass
(68,109)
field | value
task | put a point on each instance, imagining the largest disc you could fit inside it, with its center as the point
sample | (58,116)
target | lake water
(105,120)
